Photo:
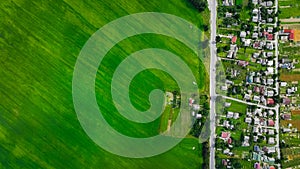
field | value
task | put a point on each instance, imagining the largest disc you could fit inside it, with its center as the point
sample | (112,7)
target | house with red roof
(270,37)
(233,40)
(271,122)
(243,63)
(291,33)
(270,101)
(225,135)
(257,165)
(229,141)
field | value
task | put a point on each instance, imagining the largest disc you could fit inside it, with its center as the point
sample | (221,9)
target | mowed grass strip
(39,43)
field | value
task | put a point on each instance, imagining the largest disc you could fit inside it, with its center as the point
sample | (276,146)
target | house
(256,156)
(270,46)
(283,84)
(284,37)
(256,148)
(191,101)
(259,44)
(224,88)
(249,79)
(243,63)
(247,97)
(228,2)
(269,54)
(270,81)
(246,141)
(257,112)
(271,122)
(255,129)
(256,98)
(229,141)
(257,165)
(270,71)
(271,150)
(286,116)
(286,101)
(284,60)
(271,132)
(224,162)
(234,39)
(233,51)
(236,116)
(270,29)
(255,19)
(255,55)
(286,130)
(196,107)
(290,32)
(255,11)
(227,104)
(256,80)
(271,140)
(256,88)
(270,20)
(247,42)
(271,113)
(228,15)
(255,35)
(230,115)
(255,138)
(198,116)
(269,3)
(248,120)
(270,11)
(270,37)
(270,93)
(225,135)
(226,151)
(243,34)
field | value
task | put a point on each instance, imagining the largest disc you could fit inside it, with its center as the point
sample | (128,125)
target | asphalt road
(213,61)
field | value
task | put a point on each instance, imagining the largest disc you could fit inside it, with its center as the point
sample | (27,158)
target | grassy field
(289,78)
(289,8)
(39,44)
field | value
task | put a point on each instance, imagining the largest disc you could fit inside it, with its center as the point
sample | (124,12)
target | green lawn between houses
(39,43)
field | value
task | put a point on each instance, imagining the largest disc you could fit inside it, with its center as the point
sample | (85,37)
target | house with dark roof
(286,101)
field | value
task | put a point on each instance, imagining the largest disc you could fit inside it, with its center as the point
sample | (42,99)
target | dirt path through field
(290,20)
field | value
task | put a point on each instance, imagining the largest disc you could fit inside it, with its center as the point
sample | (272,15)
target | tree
(205,28)
(218,39)
(236,164)
(200,5)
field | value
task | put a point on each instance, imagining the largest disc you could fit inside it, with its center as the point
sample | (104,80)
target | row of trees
(200,5)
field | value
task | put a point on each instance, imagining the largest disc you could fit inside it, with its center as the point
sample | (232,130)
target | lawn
(39,43)
(239,2)
(237,106)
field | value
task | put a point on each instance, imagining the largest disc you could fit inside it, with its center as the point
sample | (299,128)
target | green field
(39,44)
(289,8)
